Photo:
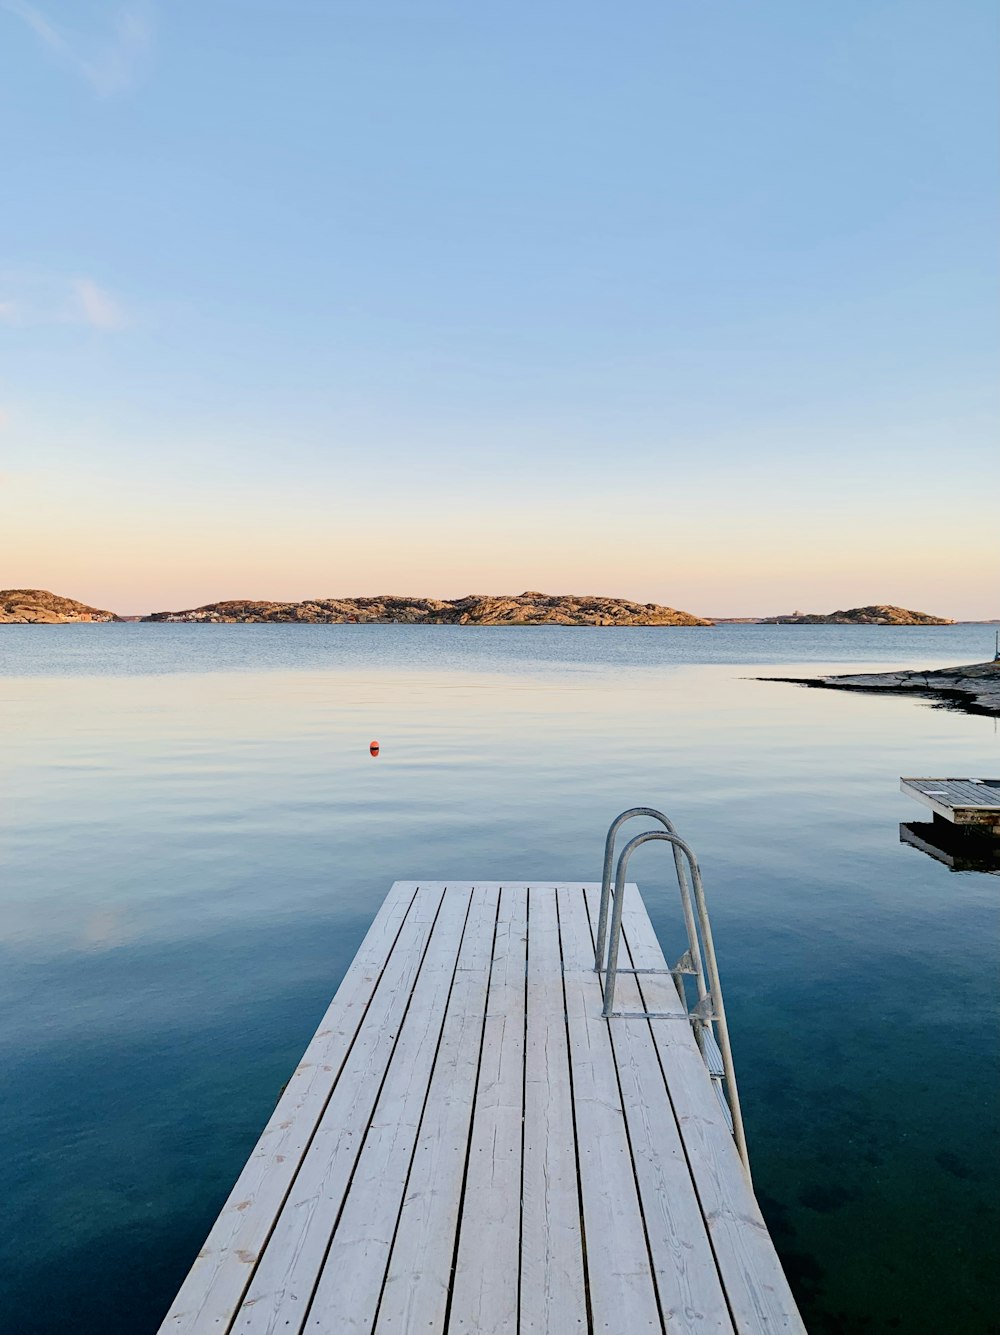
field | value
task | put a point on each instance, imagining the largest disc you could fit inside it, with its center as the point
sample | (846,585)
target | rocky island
(973,688)
(880,614)
(525,609)
(531,608)
(39,607)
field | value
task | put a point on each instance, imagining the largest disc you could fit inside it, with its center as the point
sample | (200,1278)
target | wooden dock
(469,1148)
(967,802)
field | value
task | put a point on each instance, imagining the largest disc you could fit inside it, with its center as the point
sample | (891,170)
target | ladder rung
(646,1015)
(617,970)
(711,1051)
(723,1104)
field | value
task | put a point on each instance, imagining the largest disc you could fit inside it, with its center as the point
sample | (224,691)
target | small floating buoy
(374,748)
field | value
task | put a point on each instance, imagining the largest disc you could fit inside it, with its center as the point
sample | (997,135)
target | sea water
(195,838)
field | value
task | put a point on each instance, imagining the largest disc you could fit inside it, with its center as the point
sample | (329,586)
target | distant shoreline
(147,620)
(39,606)
(708,624)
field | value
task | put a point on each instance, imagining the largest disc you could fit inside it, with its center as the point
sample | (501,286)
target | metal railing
(698,960)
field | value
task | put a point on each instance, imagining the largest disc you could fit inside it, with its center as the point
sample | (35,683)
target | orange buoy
(374,748)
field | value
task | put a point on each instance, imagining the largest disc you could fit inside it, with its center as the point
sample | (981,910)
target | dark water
(195,839)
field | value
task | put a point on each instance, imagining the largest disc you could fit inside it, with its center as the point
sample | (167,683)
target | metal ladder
(697,960)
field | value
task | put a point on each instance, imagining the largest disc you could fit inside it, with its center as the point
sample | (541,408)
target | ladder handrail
(693,960)
(609,856)
(602,921)
(715,1009)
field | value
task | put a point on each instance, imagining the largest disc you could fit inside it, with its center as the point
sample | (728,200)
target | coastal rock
(38,606)
(880,614)
(526,609)
(973,688)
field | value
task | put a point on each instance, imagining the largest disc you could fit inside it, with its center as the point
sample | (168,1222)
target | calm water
(195,839)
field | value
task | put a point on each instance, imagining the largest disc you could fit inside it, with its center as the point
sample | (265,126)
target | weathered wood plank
(418,1279)
(622,1292)
(218,1279)
(980,795)
(553,1291)
(759,1298)
(350,1286)
(688,1285)
(282,1287)
(968,792)
(484,1298)
(958,800)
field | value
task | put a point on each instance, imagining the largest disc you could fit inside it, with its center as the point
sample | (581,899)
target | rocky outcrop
(973,689)
(880,614)
(525,609)
(38,606)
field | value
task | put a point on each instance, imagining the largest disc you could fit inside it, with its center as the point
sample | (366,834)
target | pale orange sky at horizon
(716,528)
(138,554)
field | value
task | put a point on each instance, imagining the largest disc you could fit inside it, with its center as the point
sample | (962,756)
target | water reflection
(959,850)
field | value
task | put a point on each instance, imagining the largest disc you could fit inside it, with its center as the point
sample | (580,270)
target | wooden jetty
(469,1147)
(972,803)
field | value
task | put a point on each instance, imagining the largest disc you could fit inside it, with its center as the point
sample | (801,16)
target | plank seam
(307,1310)
(423,1111)
(472,1119)
(576,1140)
(326,1102)
(631,1151)
(524,1100)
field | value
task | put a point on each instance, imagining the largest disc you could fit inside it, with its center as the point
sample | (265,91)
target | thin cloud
(110,64)
(97,307)
(36,300)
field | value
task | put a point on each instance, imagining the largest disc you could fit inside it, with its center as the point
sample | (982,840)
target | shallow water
(196,838)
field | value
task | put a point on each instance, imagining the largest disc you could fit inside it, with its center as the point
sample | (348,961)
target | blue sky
(686,302)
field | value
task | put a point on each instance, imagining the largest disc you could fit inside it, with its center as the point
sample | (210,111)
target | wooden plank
(350,1286)
(687,1279)
(969,797)
(218,1279)
(971,793)
(978,795)
(955,799)
(935,803)
(418,1279)
(553,1291)
(279,1295)
(933,800)
(485,1287)
(622,1292)
(760,1300)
